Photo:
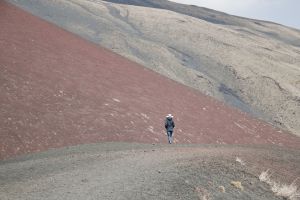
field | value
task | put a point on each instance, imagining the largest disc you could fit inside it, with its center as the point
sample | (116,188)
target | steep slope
(58,89)
(279,32)
(250,64)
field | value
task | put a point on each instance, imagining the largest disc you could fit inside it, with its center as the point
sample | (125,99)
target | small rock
(84,180)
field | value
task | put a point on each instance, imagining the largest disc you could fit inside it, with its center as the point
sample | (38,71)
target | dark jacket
(169,124)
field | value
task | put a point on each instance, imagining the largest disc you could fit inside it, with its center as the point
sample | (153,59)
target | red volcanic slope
(58,89)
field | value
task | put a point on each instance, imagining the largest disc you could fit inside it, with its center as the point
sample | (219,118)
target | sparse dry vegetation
(222,189)
(238,185)
(290,192)
(240,161)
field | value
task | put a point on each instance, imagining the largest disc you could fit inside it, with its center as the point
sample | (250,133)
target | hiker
(169,125)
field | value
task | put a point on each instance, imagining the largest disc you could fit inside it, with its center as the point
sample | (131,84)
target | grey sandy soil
(144,171)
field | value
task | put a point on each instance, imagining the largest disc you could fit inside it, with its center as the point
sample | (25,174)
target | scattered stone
(85,180)
(116,100)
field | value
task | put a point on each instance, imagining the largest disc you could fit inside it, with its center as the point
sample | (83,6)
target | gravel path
(141,171)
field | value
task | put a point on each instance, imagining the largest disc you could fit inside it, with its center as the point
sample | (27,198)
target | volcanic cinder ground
(250,64)
(58,90)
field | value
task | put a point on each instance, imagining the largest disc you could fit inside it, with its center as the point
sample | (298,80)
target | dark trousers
(170,136)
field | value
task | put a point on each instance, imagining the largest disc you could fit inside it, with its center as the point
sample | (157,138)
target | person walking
(169,125)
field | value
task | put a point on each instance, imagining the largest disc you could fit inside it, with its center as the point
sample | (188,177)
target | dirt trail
(140,171)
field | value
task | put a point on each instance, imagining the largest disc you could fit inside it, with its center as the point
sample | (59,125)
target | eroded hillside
(252,65)
(59,90)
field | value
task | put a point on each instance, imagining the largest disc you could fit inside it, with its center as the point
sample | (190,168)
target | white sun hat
(169,116)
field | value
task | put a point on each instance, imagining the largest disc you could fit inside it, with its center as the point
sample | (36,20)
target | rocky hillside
(250,64)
